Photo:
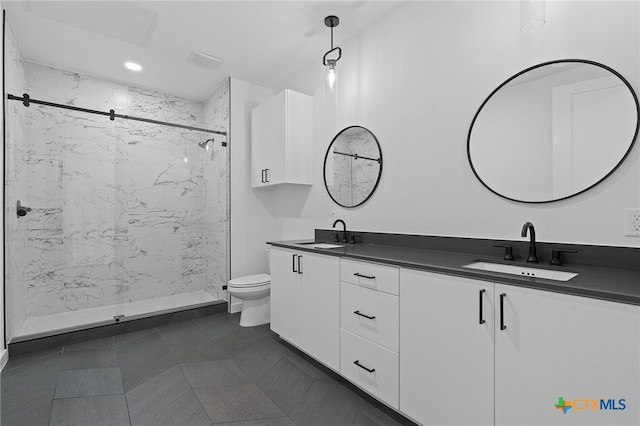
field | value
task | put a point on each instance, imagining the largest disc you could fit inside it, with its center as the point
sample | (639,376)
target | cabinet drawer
(370,275)
(358,304)
(382,382)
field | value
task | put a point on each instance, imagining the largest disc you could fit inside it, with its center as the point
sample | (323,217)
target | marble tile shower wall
(16,184)
(122,209)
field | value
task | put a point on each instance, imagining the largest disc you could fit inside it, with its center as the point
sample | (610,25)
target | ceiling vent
(203,60)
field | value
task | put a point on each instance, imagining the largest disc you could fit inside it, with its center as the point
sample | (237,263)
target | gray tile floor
(195,372)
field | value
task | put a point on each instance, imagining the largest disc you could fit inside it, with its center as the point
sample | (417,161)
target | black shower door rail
(26,101)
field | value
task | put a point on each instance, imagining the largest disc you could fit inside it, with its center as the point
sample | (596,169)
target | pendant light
(332,76)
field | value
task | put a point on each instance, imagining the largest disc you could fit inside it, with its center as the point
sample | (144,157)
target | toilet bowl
(254,292)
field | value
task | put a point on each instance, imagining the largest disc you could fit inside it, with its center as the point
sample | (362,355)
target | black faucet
(532,241)
(344,229)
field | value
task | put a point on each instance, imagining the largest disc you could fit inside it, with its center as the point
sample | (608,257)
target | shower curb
(121,326)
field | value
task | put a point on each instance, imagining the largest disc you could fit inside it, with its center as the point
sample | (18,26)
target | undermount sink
(522,271)
(322,245)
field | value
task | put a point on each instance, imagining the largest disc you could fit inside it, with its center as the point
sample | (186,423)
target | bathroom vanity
(444,344)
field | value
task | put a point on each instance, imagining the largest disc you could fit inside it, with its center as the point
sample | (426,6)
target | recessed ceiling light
(133,66)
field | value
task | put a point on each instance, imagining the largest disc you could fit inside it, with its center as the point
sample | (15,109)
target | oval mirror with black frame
(352,166)
(553,131)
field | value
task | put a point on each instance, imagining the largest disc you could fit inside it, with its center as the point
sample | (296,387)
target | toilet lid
(250,280)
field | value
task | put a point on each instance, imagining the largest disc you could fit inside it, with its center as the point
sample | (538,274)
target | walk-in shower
(118,223)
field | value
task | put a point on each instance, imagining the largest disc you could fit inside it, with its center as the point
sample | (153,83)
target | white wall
(416,80)
(252,212)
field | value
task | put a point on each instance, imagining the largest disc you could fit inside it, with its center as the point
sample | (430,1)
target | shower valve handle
(22,210)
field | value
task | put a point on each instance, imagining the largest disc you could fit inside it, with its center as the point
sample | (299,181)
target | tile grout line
(201,405)
(126,403)
(177,398)
(149,331)
(221,315)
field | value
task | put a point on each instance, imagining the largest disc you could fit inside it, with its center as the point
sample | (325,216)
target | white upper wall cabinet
(282,140)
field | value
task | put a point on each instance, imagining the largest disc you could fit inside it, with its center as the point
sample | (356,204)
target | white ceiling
(263,42)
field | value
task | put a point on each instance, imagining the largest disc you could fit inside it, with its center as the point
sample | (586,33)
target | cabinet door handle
(482,321)
(266,175)
(363,315)
(358,274)
(370,370)
(293,267)
(262,175)
(502,326)
(299,265)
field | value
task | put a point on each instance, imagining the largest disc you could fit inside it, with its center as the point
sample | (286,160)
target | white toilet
(254,291)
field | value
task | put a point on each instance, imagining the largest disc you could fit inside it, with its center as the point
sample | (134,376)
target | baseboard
(4,357)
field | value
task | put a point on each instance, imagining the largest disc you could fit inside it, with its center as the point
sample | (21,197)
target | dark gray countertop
(616,285)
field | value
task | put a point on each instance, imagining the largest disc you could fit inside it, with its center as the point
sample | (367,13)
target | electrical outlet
(632,222)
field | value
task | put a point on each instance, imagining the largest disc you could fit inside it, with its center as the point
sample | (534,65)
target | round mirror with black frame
(553,131)
(352,166)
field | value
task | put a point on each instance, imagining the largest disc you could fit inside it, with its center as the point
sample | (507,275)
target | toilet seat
(249,281)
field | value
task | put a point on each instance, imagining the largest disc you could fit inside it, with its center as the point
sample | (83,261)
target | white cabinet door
(282,140)
(286,293)
(305,302)
(275,134)
(298,157)
(319,306)
(558,346)
(267,134)
(446,349)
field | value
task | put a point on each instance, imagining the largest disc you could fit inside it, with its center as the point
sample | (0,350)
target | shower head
(204,145)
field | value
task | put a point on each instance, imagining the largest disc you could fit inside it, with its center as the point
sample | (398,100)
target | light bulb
(332,84)
(133,66)
(331,79)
